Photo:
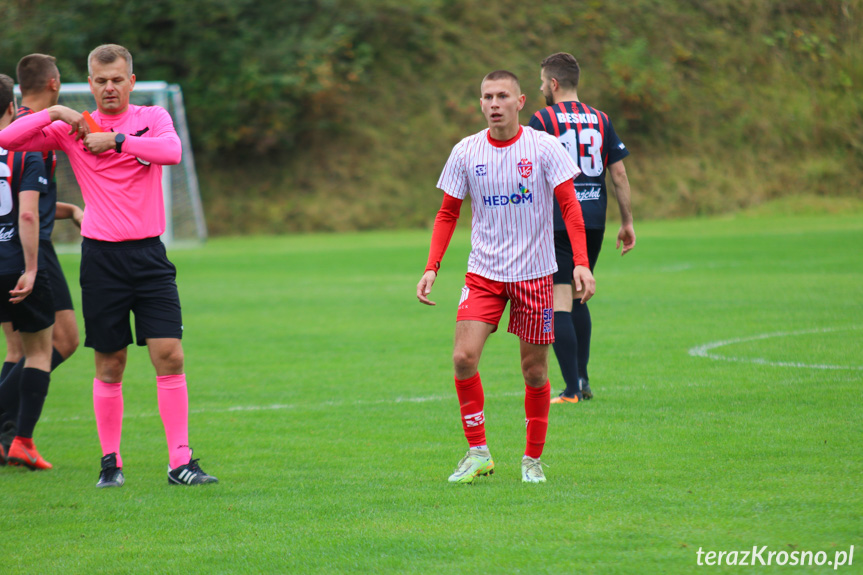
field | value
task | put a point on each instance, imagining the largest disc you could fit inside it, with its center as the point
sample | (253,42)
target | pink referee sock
(108,407)
(173,398)
(537,401)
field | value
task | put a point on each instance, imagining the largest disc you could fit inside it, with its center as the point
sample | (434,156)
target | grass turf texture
(322,397)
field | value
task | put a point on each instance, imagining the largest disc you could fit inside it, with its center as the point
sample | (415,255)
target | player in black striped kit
(588,135)
(39,82)
(25,289)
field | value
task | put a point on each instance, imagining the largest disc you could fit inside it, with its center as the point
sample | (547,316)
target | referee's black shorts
(122,277)
(563,252)
(36,311)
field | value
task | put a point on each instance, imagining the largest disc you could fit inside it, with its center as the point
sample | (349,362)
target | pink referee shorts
(531,314)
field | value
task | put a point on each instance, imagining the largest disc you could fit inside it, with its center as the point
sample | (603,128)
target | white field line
(288,406)
(705,350)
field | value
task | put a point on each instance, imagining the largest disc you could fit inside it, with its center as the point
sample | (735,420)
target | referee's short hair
(562,67)
(107,54)
(7,92)
(34,71)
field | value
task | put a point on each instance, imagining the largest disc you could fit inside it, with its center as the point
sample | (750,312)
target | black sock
(34,389)
(7,365)
(56,359)
(582,324)
(10,395)
(566,349)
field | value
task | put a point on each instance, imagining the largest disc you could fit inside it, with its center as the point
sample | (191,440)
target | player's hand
(625,237)
(425,286)
(99,142)
(77,124)
(23,288)
(584,283)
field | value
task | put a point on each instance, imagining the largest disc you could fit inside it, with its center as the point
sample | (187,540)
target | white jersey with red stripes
(511,186)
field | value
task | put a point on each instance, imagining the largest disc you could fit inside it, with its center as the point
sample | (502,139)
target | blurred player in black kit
(590,138)
(39,82)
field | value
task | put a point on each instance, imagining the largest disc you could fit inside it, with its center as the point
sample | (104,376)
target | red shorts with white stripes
(531,313)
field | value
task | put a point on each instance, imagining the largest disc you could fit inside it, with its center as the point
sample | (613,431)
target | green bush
(339,114)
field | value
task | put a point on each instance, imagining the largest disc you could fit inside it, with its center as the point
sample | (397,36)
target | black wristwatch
(119,139)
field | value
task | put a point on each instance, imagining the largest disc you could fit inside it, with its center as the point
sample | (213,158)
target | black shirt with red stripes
(18,171)
(590,138)
(48,201)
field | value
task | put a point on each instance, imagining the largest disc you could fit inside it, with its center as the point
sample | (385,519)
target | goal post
(184,214)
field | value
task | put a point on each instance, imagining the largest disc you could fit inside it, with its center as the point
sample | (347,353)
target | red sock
(471,400)
(537,400)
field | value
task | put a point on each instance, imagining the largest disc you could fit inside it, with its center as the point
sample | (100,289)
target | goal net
(184,215)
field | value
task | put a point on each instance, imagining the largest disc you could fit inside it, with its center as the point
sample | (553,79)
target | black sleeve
(33,176)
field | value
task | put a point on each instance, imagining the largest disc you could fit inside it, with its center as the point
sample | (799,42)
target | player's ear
(521,100)
(132,81)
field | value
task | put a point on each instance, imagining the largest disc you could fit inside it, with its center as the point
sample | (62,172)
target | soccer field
(726,365)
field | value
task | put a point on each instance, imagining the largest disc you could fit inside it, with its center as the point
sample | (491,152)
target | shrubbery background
(339,114)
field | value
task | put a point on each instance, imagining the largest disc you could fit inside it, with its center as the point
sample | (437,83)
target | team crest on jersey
(480,170)
(525,168)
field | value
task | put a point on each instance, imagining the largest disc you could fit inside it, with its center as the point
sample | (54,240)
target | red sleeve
(565,194)
(444,226)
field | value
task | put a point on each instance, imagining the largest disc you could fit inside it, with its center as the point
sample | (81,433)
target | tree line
(339,114)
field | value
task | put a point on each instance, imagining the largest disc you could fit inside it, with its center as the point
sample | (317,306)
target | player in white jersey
(512,174)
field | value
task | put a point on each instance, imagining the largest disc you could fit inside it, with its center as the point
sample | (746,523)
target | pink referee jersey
(122,194)
(511,186)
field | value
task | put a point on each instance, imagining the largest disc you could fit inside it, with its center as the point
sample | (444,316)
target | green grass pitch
(727,368)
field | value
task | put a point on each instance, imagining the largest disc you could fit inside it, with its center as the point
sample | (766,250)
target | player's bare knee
(67,344)
(535,375)
(169,361)
(66,338)
(111,371)
(465,362)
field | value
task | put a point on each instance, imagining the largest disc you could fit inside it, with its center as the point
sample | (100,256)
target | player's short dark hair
(564,68)
(502,75)
(7,92)
(34,71)
(107,54)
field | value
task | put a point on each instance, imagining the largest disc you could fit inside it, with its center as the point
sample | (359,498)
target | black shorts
(49,262)
(563,252)
(33,314)
(122,277)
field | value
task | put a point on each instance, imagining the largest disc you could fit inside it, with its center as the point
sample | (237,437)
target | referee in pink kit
(512,174)
(124,265)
